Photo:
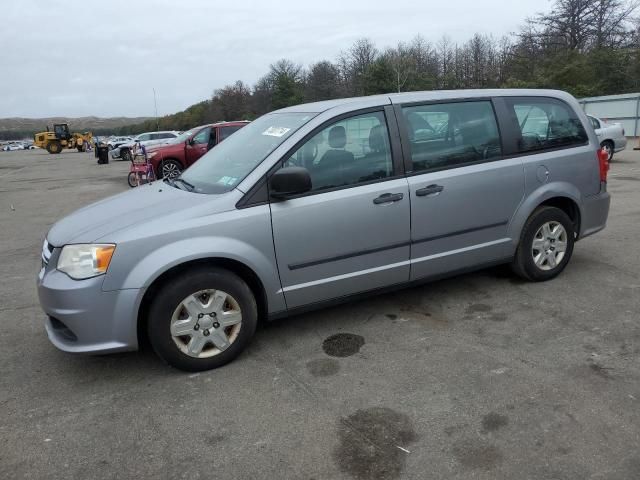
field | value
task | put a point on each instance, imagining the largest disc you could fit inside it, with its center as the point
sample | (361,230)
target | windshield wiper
(185,183)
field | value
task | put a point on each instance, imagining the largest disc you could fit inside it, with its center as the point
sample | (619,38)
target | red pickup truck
(169,160)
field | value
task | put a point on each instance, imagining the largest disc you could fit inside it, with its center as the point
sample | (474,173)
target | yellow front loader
(60,138)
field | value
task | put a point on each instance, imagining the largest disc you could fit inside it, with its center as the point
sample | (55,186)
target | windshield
(226,165)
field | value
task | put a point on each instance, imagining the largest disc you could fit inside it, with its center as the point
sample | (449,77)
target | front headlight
(85,261)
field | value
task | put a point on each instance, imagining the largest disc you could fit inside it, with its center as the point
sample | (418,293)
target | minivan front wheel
(202,319)
(546,245)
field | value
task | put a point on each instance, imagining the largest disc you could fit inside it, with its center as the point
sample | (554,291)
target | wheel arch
(245,272)
(564,196)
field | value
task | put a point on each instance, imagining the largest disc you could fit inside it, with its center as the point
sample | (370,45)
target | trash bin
(103,154)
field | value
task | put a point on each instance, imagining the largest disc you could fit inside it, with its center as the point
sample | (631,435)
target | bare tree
(354,64)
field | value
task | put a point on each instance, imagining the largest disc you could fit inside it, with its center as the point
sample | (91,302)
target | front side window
(348,152)
(595,122)
(223,167)
(202,137)
(144,137)
(546,123)
(446,135)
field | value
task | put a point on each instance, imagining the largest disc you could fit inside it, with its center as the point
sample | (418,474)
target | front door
(198,146)
(463,193)
(351,232)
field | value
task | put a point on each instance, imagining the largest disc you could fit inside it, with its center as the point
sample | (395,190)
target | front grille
(47,250)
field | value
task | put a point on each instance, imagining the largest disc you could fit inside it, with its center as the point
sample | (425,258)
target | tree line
(586,47)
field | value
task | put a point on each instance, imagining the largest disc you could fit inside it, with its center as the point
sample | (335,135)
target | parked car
(147,139)
(115,142)
(315,204)
(171,159)
(10,147)
(611,135)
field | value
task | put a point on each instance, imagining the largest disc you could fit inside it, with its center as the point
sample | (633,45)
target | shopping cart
(141,170)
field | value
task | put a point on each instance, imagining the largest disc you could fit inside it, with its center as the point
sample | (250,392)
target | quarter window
(446,135)
(595,122)
(546,123)
(349,152)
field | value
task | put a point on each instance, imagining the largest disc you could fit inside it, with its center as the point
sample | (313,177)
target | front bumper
(81,318)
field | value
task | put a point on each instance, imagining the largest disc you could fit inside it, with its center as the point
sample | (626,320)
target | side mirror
(289,181)
(189,141)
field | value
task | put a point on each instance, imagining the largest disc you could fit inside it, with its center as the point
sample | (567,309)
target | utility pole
(155,106)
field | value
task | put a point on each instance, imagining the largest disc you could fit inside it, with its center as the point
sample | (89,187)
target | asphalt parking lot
(480,376)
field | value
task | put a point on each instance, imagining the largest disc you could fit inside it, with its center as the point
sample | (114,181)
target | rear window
(546,123)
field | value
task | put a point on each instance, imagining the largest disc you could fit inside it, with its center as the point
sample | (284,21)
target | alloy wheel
(170,170)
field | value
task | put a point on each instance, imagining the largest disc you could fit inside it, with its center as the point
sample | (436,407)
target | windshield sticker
(228,180)
(276,131)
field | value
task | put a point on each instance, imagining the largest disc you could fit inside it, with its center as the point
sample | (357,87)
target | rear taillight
(603,159)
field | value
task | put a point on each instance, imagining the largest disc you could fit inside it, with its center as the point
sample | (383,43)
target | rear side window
(224,132)
(545,123)
(447,135)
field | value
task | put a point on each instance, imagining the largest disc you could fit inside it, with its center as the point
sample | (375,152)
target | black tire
(523,263)
(132,180)
(609,146)
(168,166)
(54,147)
(125,155)
(172,293)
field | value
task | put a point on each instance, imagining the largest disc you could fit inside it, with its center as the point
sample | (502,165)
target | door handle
(429,190)
(388,198)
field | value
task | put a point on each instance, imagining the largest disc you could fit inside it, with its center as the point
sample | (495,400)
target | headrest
(337,137)
(376,139)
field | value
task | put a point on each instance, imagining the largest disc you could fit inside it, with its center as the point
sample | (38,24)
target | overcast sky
(78,58)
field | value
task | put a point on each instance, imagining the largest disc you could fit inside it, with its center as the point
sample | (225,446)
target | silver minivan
(319,203)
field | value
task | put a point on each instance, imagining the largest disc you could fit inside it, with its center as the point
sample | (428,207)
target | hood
(115,213)
(165,148)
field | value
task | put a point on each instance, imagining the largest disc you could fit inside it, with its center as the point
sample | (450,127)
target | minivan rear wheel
(546,245)
(202,319)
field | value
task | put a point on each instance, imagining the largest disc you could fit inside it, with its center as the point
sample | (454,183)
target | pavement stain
(485,312)
(342,344)
(493,421)
(599,370)
(323,367)
(373,443)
